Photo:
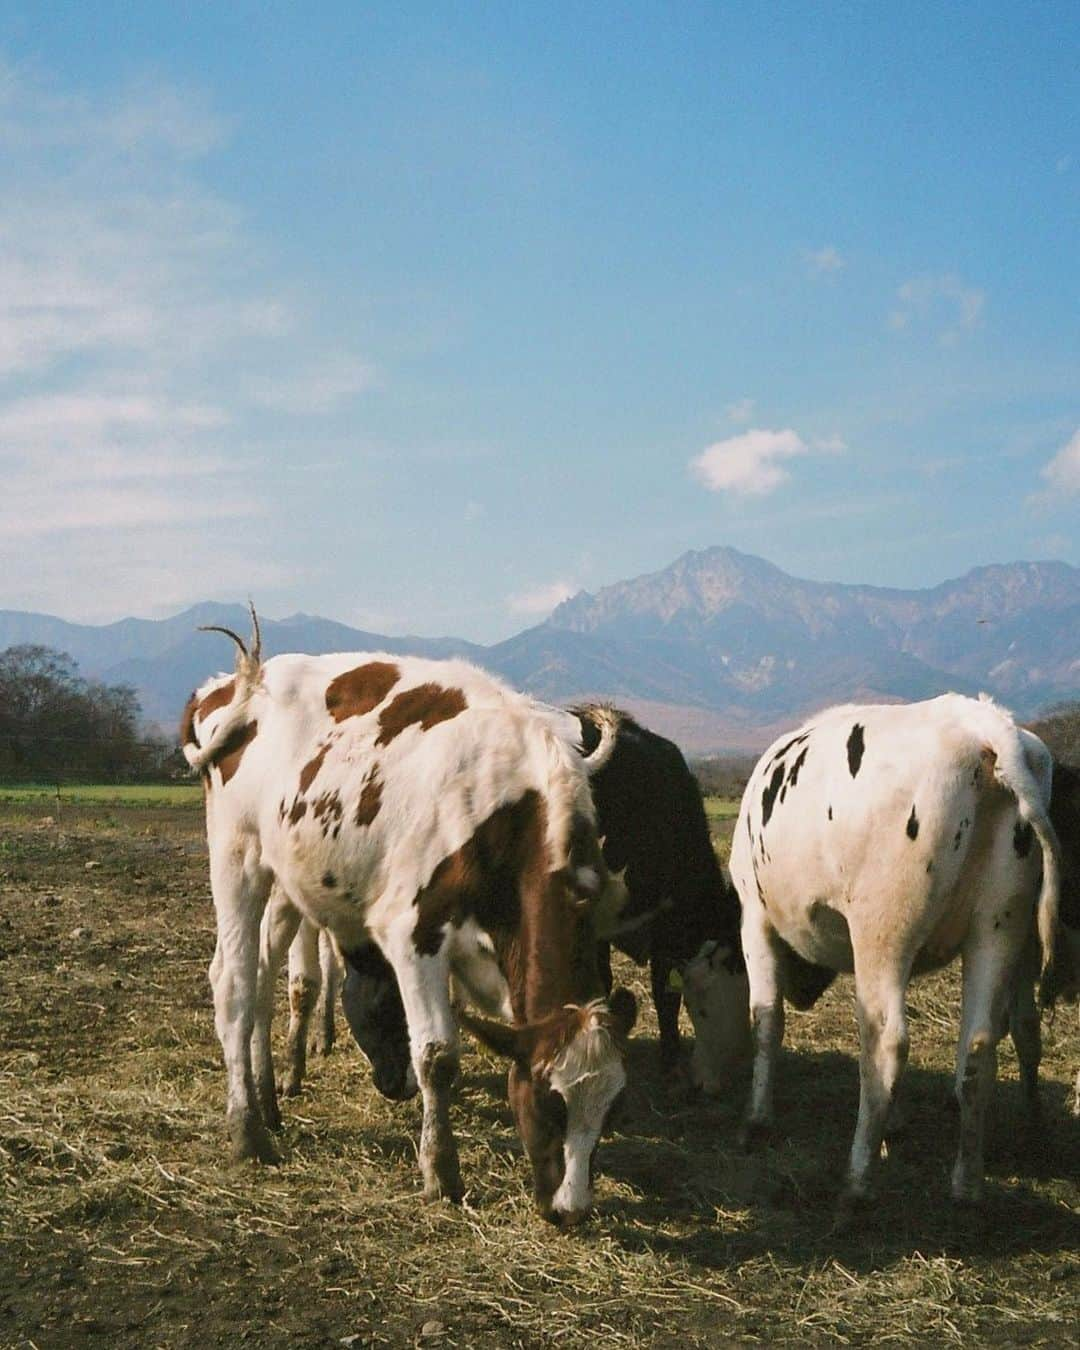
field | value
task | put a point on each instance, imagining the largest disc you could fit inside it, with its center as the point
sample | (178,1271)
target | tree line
(56,726)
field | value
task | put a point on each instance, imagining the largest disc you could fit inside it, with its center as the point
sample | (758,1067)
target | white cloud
(541,599)
(824,261)
(1062,474)
(316,391)
(140,333)
(752,463)
(742,410)
(943,301)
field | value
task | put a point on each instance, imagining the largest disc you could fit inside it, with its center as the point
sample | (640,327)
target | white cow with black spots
(886,840)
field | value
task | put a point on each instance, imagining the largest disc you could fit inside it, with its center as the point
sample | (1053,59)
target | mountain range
(720,650)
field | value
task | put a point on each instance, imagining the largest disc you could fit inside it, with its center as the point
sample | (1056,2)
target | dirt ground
(122,1223)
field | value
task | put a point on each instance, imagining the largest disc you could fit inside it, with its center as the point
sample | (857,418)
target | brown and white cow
(679,914)
(886,840)
(423,807)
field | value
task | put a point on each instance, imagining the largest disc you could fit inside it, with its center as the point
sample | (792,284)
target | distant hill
(719,650)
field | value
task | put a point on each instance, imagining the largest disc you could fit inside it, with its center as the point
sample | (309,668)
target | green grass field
(94,794)
(721,808)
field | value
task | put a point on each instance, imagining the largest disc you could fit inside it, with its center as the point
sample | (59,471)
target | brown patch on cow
(327,809)
(367,808)
(426,706)
(228,757)
(216,698)
(298,812)
(312,767)
(482,876)
(188,735)
(361,690)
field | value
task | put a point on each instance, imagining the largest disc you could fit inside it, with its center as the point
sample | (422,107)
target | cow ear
(623,1006)
(513,1042)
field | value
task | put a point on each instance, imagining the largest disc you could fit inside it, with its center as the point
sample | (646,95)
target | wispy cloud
(541,599)
(752,464)
(1062,474)
(314,391)
(140,332)
(944,302)
(741,411)
(824,262)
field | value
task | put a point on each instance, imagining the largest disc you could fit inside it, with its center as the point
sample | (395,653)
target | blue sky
(422,316)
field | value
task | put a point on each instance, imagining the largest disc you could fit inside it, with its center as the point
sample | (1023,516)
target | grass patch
(96,794)
(122,1220)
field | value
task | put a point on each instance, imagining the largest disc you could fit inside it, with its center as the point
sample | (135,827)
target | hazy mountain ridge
(719,649)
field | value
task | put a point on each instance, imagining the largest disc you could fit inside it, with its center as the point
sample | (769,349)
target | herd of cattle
(472,854)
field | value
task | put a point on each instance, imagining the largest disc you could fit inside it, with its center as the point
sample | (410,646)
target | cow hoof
(255,1146)
(755,1135)
(450,1191)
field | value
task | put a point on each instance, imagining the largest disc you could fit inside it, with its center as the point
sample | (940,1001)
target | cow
(680,915)
(1063,980)
(884,840)
(426,809)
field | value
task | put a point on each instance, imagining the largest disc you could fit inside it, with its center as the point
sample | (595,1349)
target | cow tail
(1012,772)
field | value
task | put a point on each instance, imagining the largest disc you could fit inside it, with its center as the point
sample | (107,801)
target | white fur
(588,1075)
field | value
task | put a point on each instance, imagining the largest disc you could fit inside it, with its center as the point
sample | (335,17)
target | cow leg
(424,982)
(330,970)
(880,985)
(766,1018)
(240,887)
(985,1000)
(667,1002)
(1025,1028)
(279,923)
(603,965)
(305,980)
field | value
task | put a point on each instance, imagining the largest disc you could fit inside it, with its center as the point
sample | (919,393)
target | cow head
(566,1073)
(375,1013)
(717,996)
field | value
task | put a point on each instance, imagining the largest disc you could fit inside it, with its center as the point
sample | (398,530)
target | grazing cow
(884,840)
(680,915)
(422,807)
(1063,980)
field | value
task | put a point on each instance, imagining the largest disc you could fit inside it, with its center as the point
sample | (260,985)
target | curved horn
(216,628)
(256,635)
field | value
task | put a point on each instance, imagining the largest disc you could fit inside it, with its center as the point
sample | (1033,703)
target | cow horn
(246,661)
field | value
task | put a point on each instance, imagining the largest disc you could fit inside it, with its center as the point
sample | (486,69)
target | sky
(424,317)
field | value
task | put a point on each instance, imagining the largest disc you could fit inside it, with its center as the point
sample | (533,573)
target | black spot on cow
(329,880)
(1022,837)
(768,797)
(929,867)
(829,813)
(856,744)
(959,835)
(793,776)
(912,824)
(789,745)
